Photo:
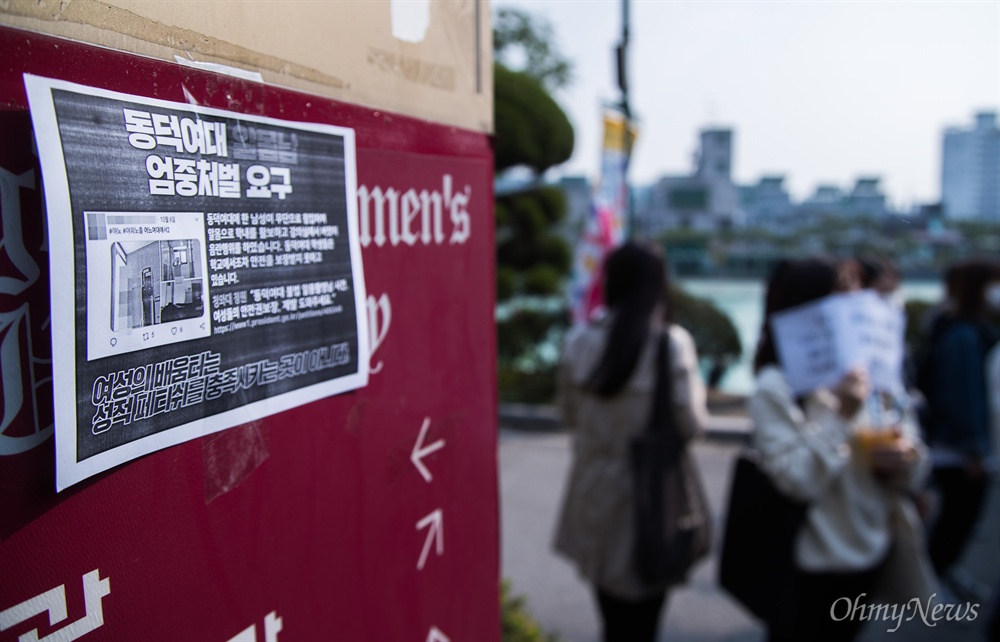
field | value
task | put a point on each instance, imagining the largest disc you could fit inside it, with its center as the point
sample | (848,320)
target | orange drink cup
(869,438)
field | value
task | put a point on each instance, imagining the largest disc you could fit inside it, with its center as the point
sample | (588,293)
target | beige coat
(595,528)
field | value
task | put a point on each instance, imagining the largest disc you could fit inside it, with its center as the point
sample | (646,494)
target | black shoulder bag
(757,564)
(672,524)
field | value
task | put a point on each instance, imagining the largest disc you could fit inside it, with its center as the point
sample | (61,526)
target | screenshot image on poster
(145,281)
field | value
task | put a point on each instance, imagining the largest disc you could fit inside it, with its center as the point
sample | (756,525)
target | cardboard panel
(370,515)
(370,53)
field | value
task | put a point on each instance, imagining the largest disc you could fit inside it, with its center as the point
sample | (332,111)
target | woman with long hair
(606,381)
(813,449)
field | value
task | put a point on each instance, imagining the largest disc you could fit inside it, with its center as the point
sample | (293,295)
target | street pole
(622,63)
(622,55)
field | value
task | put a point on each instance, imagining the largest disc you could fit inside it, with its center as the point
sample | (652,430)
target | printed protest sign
(820,341)
(206,269)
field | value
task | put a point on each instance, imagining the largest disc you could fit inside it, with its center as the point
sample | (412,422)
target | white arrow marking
(435,635)
(436,531)
(420,451)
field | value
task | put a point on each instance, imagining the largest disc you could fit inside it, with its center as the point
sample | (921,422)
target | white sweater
(808,455)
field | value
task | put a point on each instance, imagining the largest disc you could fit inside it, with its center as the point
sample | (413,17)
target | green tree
(531,128)
(532,131)
(713,332)
(519,37)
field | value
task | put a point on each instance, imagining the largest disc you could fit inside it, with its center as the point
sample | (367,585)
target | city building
(970,170)
(866,199)
(767,204)
(706,200)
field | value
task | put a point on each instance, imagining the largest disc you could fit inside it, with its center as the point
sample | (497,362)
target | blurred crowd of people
(894,481)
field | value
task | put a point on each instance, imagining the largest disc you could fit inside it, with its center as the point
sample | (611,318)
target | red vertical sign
(370,515)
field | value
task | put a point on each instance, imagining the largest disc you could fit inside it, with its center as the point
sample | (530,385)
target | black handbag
(757,564)
(672,525)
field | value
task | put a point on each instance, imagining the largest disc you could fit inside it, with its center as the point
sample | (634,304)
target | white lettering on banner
(54,602)
(435,533)
(378,325)
(379,199)
(15,340)
(427,201)
(459,212)
(15,325)
(420,451)
(436,635)
(272,627)
(411,209)
(403,209)
(12,242)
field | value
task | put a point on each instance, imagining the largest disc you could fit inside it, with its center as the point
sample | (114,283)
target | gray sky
(821,92)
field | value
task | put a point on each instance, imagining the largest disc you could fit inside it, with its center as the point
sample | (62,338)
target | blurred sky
(821,92)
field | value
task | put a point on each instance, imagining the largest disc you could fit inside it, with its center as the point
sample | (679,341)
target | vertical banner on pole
(607,223)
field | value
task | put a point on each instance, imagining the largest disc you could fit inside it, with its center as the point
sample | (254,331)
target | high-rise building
(970,170)
(715,155)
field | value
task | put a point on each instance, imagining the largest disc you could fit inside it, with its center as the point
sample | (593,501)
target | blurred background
(733,135)
(759,131)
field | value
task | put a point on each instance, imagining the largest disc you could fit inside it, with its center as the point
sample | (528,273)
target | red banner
(370,515)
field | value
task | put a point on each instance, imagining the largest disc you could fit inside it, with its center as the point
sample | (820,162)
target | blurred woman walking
(860,529)
(607,377)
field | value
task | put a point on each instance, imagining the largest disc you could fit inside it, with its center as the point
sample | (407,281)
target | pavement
(534,462)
